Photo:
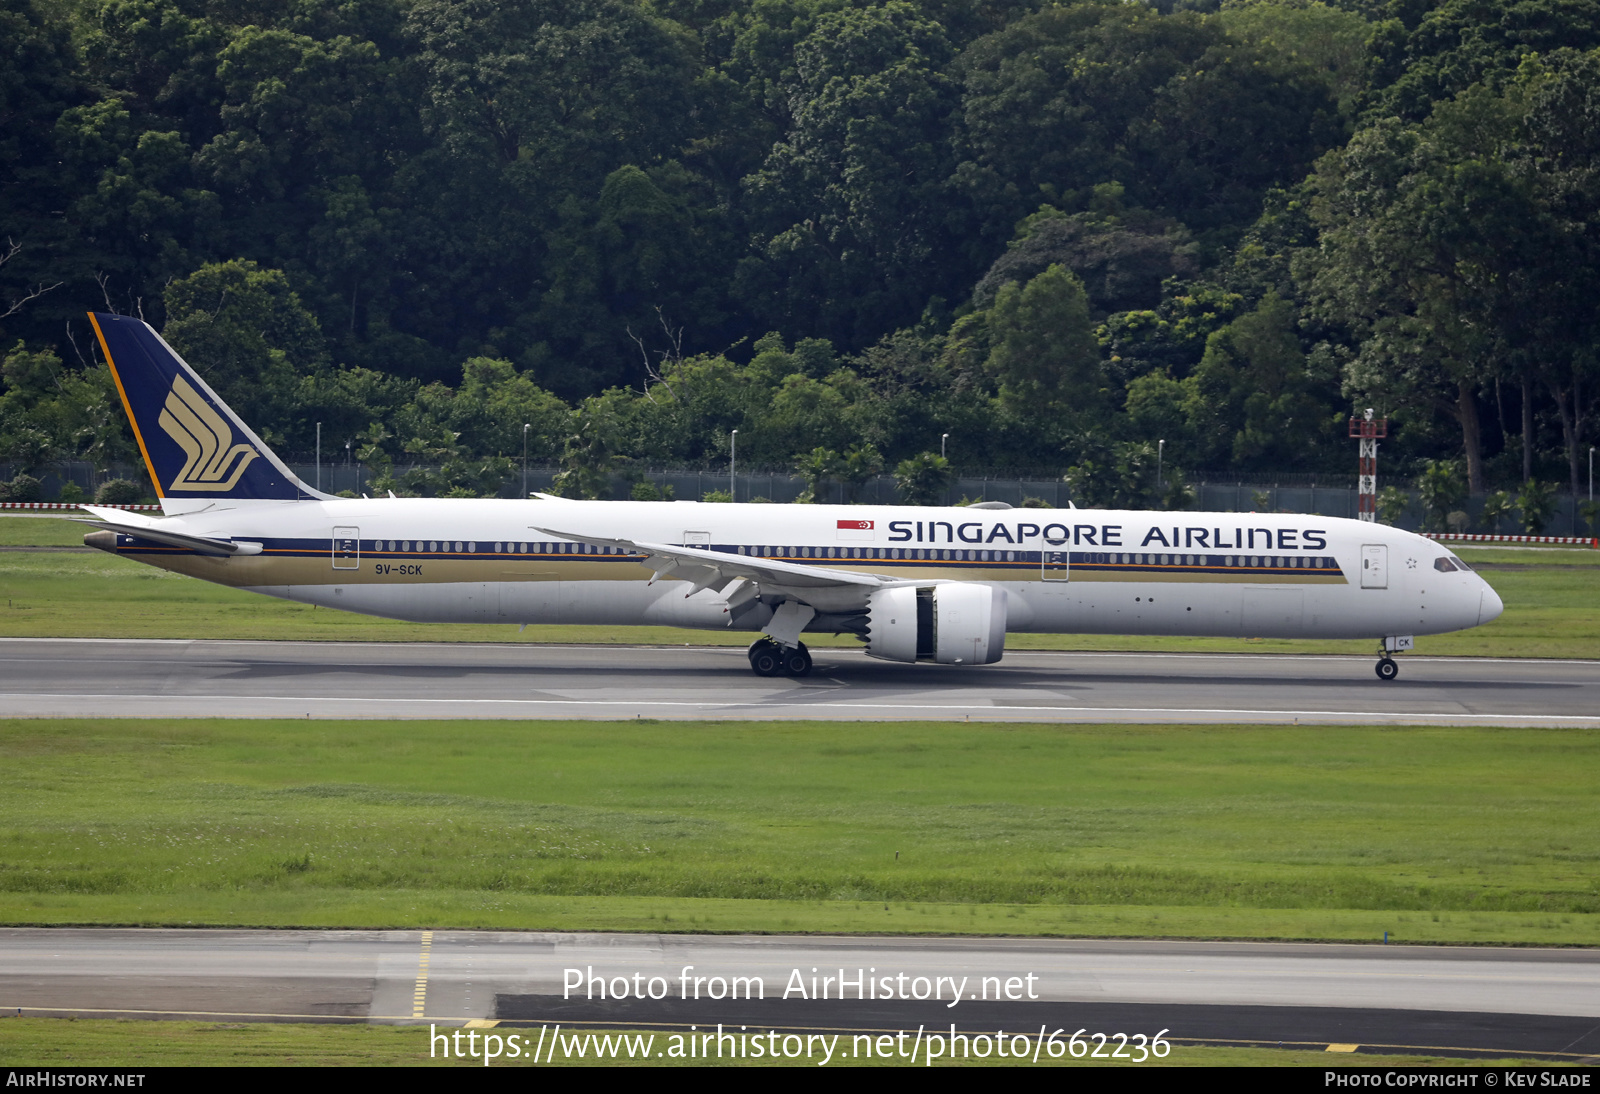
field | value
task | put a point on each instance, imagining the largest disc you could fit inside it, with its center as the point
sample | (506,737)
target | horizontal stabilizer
(222,548)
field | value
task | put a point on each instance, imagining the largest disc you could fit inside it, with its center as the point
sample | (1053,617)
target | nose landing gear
(1386,667)
(768,658)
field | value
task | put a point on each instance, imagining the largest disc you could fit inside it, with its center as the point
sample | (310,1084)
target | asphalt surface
(1543,1002)
(127,678)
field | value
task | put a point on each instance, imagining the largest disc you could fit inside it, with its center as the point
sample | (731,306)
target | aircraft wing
(707,568)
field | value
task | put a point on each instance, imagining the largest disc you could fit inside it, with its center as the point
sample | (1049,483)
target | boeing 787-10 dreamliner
(942,585)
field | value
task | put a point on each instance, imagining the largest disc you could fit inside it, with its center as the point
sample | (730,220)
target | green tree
(1555,326)
(246,332)
(1392,503)
(805,411)
(1459,43)
(353,403)
(495,401)
(1422,231)
(1254,379)
(368,449)
(1536,502)
(30,376)
(24,488)
(1332,41)
(306,135)
(624,274)
(139,212)
(39,81)
(850,203)
(1590,512)
(444,468)
(119,492)
(50,412)
(1045,355)
(923,479)
(1161,407)
(1121,255)
(818,467)
(593,449)
(645,490)
(1440,489)
(859,463)
(568,85)
(530,105)
(1496,508)
(1194,124)
(1127,476)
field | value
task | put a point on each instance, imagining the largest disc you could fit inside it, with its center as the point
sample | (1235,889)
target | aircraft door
(1055,560)
(1374,566)
(697,539)
(346,548)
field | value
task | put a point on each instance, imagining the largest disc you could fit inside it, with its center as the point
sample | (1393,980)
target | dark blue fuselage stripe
(1132,563)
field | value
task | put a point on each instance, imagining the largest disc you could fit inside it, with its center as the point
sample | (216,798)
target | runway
(1382,998)
(192,679)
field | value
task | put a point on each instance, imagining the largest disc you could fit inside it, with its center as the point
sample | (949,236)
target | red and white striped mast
(1368,430)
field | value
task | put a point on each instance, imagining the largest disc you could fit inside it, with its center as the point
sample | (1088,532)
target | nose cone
(1490,606)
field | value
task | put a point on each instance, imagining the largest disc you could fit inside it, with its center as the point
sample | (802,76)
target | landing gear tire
(766,658)
(1386,669)
(797,662)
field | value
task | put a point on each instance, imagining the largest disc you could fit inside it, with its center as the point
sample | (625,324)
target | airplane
(915,584)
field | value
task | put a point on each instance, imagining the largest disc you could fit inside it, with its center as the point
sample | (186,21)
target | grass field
(47,1042)
(1437,834)
(1552,609)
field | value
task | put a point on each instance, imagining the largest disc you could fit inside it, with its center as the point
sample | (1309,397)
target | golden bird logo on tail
(214,462)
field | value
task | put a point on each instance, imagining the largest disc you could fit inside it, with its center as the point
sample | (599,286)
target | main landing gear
(768,658)
(1387,668)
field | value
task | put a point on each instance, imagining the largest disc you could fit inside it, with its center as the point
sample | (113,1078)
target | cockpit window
(1448,564)
(1460,565)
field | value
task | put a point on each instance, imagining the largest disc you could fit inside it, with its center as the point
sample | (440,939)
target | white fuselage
(1064,570)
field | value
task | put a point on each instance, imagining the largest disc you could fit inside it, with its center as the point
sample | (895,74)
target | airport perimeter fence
(1293,492)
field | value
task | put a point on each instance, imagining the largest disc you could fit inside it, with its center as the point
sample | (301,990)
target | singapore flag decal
(855,529)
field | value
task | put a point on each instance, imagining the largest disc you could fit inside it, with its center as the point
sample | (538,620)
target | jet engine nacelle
(957,623)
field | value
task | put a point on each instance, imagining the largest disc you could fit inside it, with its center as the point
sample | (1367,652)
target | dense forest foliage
(1050,235)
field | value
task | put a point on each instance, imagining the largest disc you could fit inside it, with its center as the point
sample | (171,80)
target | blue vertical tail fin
(193,445)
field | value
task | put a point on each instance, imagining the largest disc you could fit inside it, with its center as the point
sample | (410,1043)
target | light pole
(1161,448)
(347,465)
(1591,472)
(943,439)
(733,466)
(525,459)
(319,455)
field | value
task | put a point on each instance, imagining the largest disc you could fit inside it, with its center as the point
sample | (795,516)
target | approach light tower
(1368,430)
